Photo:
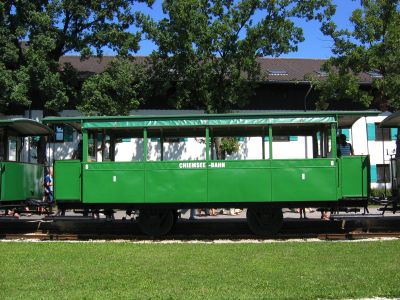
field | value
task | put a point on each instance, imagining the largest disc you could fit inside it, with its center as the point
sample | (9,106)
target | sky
(315,45)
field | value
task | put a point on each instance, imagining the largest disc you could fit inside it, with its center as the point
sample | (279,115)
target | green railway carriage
(159,184)
(20,181)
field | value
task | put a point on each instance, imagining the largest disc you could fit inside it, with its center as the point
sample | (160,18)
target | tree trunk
(41,151)
(219,152)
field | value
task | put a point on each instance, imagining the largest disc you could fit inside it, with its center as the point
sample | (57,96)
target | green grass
(199,271)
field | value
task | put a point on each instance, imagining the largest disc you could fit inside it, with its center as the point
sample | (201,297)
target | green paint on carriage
(212,181)
(21,181)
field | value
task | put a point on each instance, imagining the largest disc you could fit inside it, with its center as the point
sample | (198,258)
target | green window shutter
(293,138)
(347,133)
(183,139)
(371,131)
(374,175)
(393,134)
(266,138)
(318,136)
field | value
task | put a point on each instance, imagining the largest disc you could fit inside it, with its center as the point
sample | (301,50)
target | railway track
(40,236)
(230,229)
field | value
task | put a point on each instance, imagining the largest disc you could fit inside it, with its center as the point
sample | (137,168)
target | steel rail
(40,236)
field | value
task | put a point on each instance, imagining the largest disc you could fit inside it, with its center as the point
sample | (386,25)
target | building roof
(277,69)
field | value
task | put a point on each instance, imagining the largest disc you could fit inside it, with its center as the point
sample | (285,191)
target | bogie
(264,221)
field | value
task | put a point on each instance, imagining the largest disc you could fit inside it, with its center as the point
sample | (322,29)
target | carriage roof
(344,119)
(25,127)
(392,121)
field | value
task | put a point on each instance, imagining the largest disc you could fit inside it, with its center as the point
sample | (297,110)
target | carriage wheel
(264,220)
(156,222)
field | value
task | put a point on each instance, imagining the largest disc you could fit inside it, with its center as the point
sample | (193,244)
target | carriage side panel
(304,180)
(67,180)
(171,182)
(239,181)
(113,182)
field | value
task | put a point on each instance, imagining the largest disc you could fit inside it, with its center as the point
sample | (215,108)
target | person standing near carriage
(48,186)
(345,148)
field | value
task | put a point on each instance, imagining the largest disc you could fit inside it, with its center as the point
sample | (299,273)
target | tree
(207,50)
(116,91)
(373,46)
(35,34)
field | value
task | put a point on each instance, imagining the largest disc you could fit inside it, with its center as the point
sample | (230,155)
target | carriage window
(129,148)
(12,149)
(239,143)
(166,147)
(92,145)
(301,142)
(291,147)
(114,145)
(244,148)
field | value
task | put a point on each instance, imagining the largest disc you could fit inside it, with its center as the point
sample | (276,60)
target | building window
(278,72)
(63,133)
(68,134)
(59,133)
(383,173)
(375,74)
(382,134)
(346,132)
(376,133)
(322,73)
(282,138)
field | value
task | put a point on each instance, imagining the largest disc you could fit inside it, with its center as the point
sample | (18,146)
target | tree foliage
(35,34)
(116,91)
(207,50)
(372,46)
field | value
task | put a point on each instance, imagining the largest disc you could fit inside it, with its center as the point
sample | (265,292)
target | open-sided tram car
(157,185)
(20,181)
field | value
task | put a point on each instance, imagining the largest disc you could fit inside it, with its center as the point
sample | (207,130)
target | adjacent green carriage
(20,180)
(158,185)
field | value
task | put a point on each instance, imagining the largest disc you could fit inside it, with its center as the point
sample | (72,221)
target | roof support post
(207,143)
(270,141)
(162,144)
(263,142)
(333,141)
(84,145)
(144,144)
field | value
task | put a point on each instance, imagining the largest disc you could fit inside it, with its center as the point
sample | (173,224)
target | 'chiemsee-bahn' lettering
(201,165)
